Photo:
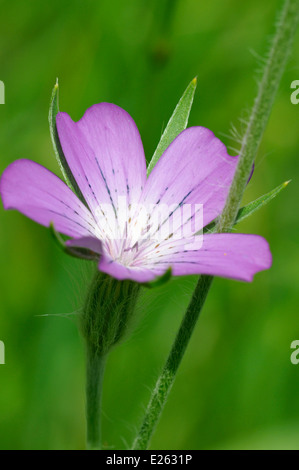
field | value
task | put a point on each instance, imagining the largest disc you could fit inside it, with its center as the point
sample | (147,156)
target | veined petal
(105,154)
(236,256)
(194,169)
(85,247)
(40,195)
(119,271)
(89,243)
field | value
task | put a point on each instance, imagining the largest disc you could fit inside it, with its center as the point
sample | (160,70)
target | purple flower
(106,157)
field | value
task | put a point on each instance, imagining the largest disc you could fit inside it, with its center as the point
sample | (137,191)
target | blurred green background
(236,387)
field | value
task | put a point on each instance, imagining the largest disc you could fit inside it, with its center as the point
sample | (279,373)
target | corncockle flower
(105,155)
(137,228)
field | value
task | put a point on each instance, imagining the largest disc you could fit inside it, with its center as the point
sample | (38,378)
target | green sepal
(57,237)
(76,252)
(159,281)
(176,124)
(108,311)
(250,208)
(67,174)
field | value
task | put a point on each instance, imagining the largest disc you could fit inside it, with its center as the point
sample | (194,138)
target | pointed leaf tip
(67,174)
(252,207)
(176,124)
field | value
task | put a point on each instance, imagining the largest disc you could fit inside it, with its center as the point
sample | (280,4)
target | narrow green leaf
(252,207)
(176,124)
(67,174)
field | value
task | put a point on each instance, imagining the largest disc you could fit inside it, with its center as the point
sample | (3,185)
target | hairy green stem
(274,66)
(95,364)
(166,379)
(106,315)
(273,70)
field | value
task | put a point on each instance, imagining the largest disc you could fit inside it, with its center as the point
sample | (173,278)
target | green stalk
(95,364)
(166,379)
(275,64)
(107,313)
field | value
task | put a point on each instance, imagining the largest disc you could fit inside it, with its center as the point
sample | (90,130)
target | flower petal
(85,247)
(121,272)
(105,154)
(39,194)
(89,243)
(236,256)
(194,169)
